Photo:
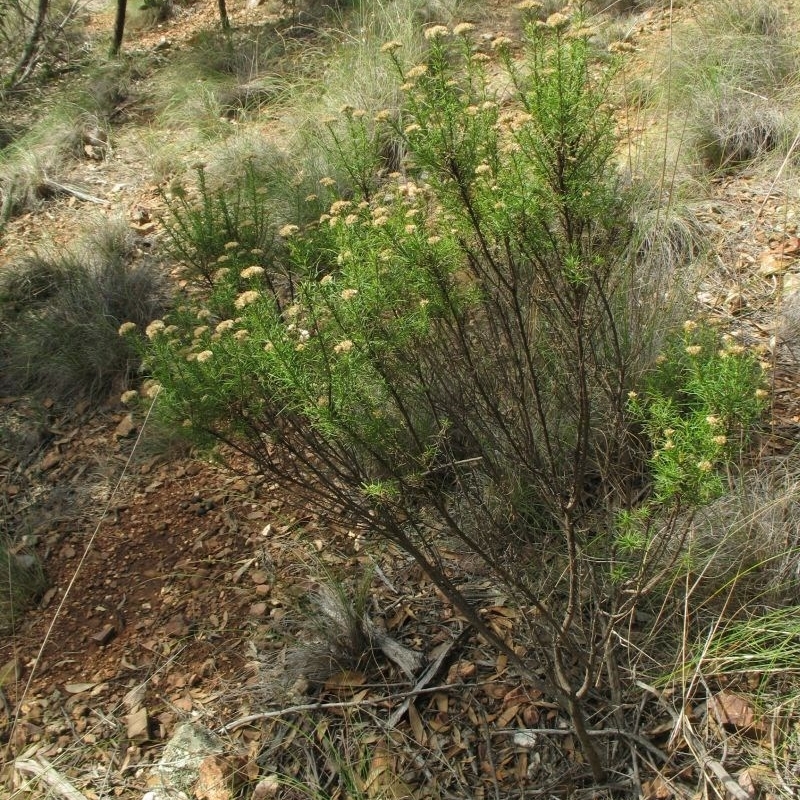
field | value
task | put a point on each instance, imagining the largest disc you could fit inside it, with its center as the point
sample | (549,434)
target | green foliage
(698,407)
(221,228)
(504,193)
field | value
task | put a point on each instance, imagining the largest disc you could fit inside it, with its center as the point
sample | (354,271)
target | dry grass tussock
(729,73)
(61,311)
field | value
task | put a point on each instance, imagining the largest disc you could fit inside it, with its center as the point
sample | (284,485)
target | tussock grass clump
(732,74)
(750,537)
(22,580)
(29,161)
(44,152)
(223,76)
(61,313)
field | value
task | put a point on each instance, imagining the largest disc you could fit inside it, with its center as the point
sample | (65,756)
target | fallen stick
(45,771)
(367,702)
(700,753)
(63,188)
(684,727)
(430,673)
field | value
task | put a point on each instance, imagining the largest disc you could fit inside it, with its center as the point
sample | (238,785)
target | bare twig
(365,703)
(609,732)
(698,749)
(430,673)
(63,188)
(44,770)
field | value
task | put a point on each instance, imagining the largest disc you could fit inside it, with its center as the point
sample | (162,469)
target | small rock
(138,724)
(216,779)
(127,427)
(263,589)
(266,787)
(50,460)
(180,763)
(259,577)
(104,636)
(258,609)
(176,626)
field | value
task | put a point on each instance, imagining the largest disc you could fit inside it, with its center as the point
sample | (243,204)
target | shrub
(449,354)
(698,407)
(61,314)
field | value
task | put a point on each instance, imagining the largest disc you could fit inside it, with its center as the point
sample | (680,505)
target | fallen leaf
(657,789)
(732,710)
(417,728)
(10,672)
(508,715)
(216,779)
(77,688)
(138,724)
(346,678)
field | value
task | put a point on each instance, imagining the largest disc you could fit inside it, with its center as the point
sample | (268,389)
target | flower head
(129,396)
(246,299)
(390,47)
(436,32)
(705,466)
(339,206)
(252,272)
(694,349)
(349,294)
(557,20)
(126,328)
(154,328)
(204,355)
(287,231)
(223,326)
(343,347)
(463,28)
